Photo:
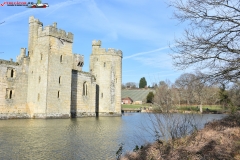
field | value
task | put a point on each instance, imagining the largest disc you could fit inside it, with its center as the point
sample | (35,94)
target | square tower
(49,85)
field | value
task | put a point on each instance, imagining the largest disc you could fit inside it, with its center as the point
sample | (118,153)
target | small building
(127,100)
(138,102)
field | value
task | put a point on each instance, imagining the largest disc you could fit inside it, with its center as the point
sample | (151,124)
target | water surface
(80,138)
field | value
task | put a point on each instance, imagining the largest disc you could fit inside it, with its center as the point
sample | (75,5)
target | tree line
(189,89)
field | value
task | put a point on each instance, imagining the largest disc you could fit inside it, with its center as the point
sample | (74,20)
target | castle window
(104,64)
(39,79)
(41,56)
(38,96)
(59,80)
(10,94)
(61,58)
(116,80)
(85,89)
(10,73)
(102,95)
(58,94)
(80,64)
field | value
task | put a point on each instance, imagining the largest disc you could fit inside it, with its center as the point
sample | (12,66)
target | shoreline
(219,139)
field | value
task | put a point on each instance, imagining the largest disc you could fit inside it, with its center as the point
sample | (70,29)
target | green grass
(211,108)
(132,106)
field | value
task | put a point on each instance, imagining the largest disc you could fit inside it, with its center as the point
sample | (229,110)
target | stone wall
(13,89)
(83,94)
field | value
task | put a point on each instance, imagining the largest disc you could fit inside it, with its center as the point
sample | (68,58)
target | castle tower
(34,24)
(49,81)
(106,66)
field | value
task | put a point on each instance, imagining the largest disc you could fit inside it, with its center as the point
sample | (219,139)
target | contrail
(142,53)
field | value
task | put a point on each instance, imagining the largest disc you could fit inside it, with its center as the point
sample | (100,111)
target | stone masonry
(48,81)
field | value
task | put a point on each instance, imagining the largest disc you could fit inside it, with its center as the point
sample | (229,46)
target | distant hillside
(136,94)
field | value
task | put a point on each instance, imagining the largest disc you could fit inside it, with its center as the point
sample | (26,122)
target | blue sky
(142,29)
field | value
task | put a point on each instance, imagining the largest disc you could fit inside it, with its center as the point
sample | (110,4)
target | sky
(144,30)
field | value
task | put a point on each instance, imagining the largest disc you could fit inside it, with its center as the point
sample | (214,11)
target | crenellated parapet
(21,55)
(55,32)
(114,51)
(34,20)
(96,43)
(8,62)
(96,49)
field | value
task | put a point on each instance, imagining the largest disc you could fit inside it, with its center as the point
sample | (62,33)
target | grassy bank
(131,106)
(182,108)
(218,140)
(206,108)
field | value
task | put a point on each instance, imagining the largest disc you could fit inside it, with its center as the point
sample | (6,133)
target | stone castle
(48,81)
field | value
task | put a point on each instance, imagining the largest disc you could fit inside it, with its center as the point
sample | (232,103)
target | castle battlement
(96,43)
(55,32)
(78,58)
(2,61)
(114,51)
(36,21)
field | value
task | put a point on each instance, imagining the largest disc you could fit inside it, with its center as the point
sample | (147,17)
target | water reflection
(82,138)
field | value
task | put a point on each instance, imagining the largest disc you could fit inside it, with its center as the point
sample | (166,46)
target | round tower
(106,66)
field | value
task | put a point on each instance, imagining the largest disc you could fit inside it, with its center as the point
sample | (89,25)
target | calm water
(82,138)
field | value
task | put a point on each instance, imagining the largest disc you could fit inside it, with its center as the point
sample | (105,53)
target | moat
(78,138)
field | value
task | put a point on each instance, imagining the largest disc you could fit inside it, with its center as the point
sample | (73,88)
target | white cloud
(159,60)
(143,53)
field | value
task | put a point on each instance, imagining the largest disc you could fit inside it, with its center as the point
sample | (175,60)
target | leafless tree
(195,90)
(164,97)
(186,86)
(211,43)
(131,85)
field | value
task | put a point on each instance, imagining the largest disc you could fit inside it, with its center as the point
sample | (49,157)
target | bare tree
(131,85)
(186,86)
(212,41)
(164,97)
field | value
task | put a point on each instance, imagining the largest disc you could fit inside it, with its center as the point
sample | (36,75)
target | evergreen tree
(150,97)
(223,96)
(142,82)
